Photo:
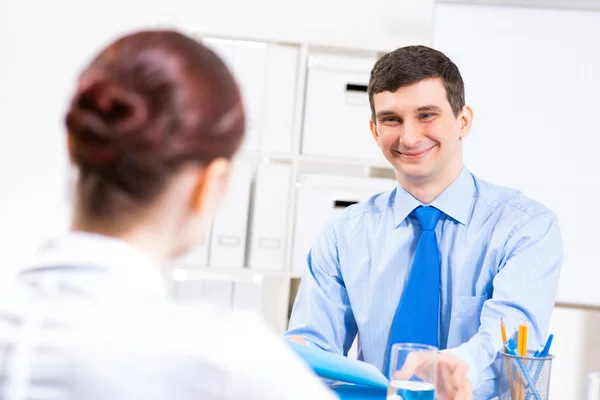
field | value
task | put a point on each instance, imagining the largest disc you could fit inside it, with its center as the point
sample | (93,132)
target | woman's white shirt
(91,318)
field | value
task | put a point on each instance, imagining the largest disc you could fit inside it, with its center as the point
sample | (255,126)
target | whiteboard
(532,77)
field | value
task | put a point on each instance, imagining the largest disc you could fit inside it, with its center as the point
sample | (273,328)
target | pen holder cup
(525,378)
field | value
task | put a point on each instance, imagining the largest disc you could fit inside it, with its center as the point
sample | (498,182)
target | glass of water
(593,386)
(412,372)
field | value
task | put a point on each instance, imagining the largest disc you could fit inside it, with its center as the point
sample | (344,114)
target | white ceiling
(565,4)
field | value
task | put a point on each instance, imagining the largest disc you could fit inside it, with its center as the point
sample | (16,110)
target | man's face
(417,131)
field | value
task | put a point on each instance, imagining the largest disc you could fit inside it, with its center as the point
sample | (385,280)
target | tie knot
(428,217)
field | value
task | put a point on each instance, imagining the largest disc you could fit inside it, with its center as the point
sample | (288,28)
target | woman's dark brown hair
(148,104)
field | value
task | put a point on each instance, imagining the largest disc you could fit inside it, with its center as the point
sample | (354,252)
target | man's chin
(414,172)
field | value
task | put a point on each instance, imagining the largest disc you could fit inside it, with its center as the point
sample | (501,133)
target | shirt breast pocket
(465,319)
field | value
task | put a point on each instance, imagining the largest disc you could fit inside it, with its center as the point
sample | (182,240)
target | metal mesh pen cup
(525,378)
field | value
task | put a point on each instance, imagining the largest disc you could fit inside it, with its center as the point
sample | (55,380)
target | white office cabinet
(337,112)
(267,75)
(219,293)
(248,296)
(249,65)
(228,239)
(224,48)
(198,254)
(308,113)
(270,208)
(322,197)
(279,96)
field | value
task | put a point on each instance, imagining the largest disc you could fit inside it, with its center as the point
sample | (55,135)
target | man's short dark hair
(408,65)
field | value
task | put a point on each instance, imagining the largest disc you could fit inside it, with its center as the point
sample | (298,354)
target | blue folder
(356,379)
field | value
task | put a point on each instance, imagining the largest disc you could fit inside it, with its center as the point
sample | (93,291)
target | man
(443,257)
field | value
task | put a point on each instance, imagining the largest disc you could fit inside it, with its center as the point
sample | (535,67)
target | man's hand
(450,380)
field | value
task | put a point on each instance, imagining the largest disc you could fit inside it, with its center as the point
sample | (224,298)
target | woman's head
(154,122)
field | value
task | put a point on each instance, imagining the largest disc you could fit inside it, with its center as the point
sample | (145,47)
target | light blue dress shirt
(500,252)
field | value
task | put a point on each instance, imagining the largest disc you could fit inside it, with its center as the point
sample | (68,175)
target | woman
(152,128)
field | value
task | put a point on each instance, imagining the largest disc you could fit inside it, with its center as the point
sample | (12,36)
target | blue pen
(543,353)
(511,349)
(546,350)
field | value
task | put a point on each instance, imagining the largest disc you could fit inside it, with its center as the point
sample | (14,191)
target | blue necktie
(417,316)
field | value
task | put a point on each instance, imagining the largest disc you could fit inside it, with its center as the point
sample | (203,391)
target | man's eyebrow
(429,107)
(384,113)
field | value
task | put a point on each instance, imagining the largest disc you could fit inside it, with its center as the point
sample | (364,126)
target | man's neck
(428,190)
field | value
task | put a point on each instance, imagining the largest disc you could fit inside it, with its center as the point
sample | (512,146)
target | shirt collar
(123,265)
(456,201)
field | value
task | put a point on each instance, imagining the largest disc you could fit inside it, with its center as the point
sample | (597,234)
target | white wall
(531,76)
(45,44)
(378,24)
(577,348)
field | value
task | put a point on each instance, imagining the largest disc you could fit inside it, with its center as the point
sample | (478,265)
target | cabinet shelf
(345,161)
(187,272)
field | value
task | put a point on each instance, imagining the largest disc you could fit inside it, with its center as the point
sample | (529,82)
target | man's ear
(466,120)
(212,185)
